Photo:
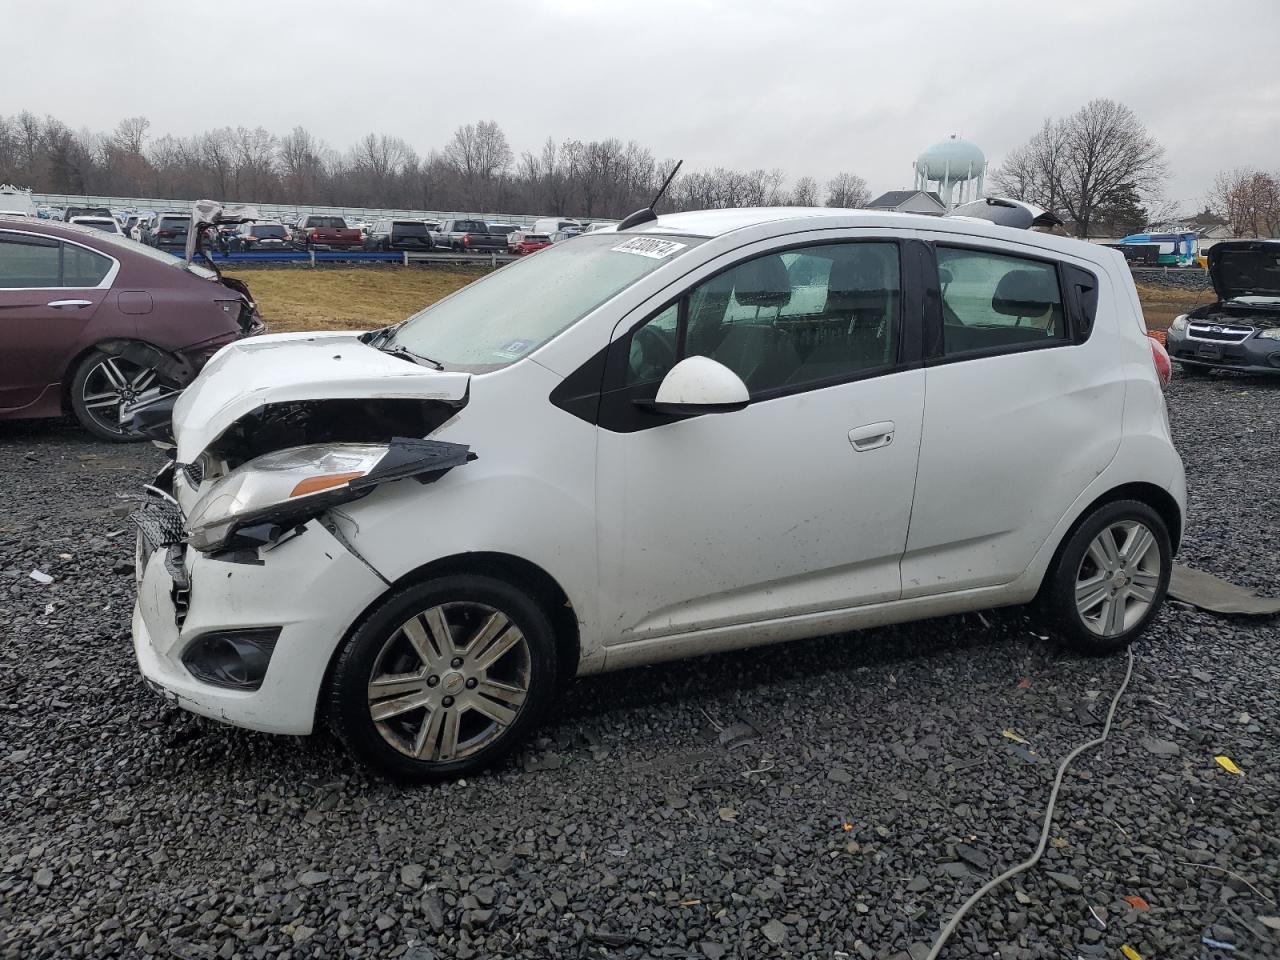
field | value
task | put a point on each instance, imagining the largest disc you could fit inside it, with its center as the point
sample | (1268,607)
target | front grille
(1219,332)
(160,523)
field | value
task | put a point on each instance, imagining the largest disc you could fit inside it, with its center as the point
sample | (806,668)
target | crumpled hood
(1245,268)
(282,368)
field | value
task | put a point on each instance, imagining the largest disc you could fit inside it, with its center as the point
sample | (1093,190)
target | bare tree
(847,190)
(1248,200)
(130,134)
(1091,161)
(479,152)
(804,193)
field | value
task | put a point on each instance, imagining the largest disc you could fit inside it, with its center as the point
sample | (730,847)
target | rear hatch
(410,233)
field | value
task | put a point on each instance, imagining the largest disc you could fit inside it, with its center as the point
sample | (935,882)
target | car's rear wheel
(1109,580)
(444,678)
(103,384)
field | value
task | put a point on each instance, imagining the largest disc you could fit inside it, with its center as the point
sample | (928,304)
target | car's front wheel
(444,678)
(102,384)
(1109,580)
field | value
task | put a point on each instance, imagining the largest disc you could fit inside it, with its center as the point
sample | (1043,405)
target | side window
(993,302)
(82,268)
(783,321)
(28,262)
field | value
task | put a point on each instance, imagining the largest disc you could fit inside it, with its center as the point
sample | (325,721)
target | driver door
(797,505)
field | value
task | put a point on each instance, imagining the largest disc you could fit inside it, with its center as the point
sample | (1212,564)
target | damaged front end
(269,499)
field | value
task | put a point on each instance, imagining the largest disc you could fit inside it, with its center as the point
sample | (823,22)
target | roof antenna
(646,214)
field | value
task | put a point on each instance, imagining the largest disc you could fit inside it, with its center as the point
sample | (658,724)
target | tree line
(1098,168)
(475,170)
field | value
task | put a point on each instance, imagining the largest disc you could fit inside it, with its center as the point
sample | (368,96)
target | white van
(565,226)
(15,202)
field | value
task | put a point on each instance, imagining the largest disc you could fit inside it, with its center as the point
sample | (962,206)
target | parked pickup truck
(319,232)
(464,236)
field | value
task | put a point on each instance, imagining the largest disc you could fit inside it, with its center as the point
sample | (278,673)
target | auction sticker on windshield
(650,247)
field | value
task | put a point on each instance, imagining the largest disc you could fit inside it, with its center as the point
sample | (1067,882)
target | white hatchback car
(702,432)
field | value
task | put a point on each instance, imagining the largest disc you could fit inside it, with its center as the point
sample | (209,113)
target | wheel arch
(167,364)
(544,589)
(1156,497)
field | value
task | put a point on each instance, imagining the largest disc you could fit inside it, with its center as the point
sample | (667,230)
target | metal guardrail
(405,257)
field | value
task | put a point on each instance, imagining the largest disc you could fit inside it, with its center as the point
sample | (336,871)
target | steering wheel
(656,352)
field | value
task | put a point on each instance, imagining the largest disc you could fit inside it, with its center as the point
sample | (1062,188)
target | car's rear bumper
(1254,355)
(310,587)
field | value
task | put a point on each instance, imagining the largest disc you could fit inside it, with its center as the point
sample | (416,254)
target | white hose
(990,885)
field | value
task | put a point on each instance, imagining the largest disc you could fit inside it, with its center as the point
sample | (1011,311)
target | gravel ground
(830,798)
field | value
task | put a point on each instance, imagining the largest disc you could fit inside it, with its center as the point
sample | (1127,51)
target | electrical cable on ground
(990,885)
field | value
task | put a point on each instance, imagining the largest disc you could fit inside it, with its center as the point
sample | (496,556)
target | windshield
(498,320)
(268,230)
(174,223)
(334,222)
(503,229)
(109,226)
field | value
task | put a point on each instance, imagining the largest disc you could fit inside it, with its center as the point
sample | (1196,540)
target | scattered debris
(1227,764)
(1129,952)
(1010,735)
(1137,902)
(39,576)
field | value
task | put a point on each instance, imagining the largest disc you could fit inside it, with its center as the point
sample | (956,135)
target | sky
(810,87)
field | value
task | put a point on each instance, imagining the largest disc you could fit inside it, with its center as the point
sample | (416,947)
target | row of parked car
(168,231)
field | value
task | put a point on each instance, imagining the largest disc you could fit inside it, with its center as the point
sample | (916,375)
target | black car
(1241,329)
(387,234)
(168,231)
(262,236)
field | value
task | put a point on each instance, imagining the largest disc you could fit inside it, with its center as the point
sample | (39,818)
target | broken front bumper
(310,587)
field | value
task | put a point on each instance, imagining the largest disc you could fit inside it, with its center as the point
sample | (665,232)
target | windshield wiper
(404,353)
(375,338)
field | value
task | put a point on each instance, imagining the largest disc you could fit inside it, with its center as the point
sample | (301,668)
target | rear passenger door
(1023,410)
(796,505)
(49,291)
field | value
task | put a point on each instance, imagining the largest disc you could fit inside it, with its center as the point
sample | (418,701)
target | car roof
(716,223)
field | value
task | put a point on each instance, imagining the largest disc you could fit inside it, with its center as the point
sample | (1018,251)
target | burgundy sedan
(91,322)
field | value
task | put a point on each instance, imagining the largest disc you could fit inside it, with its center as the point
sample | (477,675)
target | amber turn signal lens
(316,484)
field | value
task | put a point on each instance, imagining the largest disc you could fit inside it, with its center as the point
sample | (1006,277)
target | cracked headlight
(1179,324)
(280,488)
(1271,333)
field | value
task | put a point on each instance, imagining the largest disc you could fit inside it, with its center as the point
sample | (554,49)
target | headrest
(1025,293)
(762,282)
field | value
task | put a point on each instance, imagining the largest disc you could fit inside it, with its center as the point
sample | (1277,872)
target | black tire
(381,636)
(1074,566)
(1194,370)
(99,420)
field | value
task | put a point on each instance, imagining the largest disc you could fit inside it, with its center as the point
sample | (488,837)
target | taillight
(164,233)
(466,239)
(251,237)
(1160,357)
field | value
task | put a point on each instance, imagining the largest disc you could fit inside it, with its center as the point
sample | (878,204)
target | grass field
(361,299)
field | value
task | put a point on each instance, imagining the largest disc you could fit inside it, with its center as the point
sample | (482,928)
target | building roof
(896,198)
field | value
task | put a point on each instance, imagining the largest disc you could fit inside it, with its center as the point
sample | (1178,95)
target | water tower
(954,169)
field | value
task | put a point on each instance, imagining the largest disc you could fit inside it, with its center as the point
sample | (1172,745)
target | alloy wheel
(113,383)
(1118,578)
(449,681)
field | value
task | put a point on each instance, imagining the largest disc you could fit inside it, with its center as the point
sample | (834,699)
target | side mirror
(698,385)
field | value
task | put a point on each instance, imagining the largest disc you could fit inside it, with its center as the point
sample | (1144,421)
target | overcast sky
(810,87)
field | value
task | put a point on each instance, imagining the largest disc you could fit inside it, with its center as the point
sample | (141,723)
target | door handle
(71,304)
(871,436)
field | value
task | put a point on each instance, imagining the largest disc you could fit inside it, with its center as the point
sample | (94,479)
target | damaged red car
(92,322)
